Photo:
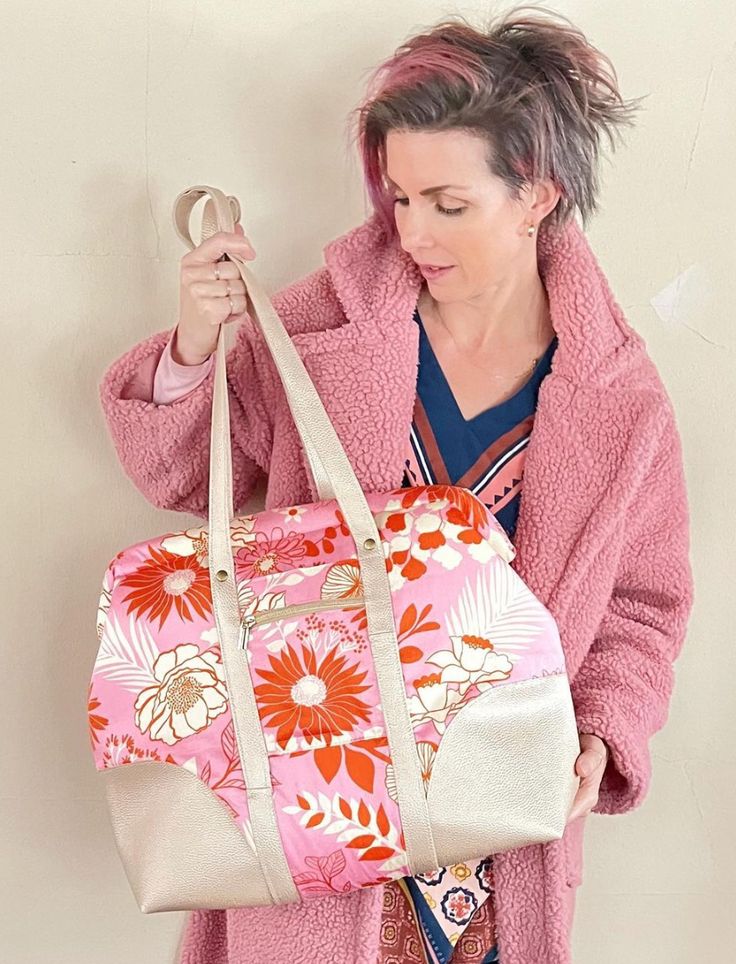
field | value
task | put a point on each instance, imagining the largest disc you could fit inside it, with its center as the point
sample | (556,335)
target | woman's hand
(204,302)
(590,765)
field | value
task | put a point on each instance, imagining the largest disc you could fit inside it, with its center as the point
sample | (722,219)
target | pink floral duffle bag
(318,698)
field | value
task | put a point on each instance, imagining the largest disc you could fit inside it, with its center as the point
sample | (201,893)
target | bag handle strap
(220,214)
(336,480)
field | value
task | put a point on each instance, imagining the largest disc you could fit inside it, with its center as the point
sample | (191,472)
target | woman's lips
(431,274)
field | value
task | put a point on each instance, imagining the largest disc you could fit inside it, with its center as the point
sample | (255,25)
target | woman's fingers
(589,766)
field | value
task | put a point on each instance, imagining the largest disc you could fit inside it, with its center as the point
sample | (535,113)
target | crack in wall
(698,125)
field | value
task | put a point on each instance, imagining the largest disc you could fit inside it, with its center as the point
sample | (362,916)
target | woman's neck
(504,319)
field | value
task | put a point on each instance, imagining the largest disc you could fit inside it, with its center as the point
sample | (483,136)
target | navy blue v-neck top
(485,453)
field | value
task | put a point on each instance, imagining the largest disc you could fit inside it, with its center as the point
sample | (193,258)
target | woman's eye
(448,211)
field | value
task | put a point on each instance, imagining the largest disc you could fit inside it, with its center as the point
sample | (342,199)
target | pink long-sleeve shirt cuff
(173,381)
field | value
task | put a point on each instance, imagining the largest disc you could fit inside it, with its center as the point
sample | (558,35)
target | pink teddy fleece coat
(602,536)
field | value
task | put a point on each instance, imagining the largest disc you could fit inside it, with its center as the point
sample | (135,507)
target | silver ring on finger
(217,273)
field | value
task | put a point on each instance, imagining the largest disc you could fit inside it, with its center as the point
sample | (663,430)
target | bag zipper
(250,620)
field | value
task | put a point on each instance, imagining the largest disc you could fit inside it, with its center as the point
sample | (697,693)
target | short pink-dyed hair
(532,86)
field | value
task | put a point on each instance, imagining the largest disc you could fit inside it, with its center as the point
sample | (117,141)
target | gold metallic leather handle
(336,480)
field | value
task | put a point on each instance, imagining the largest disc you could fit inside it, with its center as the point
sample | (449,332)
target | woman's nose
(415,238)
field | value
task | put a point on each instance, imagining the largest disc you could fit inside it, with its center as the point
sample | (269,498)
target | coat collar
(587,430)
(378,284)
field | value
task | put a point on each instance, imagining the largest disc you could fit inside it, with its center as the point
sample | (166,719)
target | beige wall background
(109,110)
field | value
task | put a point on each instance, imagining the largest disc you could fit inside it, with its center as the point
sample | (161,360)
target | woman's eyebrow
(434,190)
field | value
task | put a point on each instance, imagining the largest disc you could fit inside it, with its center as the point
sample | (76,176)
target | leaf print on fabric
(188,695)
(326,545)
(353,758)
(320,879)
(232,777)
(501,614)
(105,600)
(127,660)
(120,750)
(95,721)
(221,772)
(427,751)
(409,625)
(475,521)
(167,582)
(356,823)
(470,511)
(319,700)
(442,534)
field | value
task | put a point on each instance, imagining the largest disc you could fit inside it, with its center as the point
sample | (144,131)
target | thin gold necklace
(527,371)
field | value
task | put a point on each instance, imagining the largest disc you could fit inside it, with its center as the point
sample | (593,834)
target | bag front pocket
(250,620)
(313,674)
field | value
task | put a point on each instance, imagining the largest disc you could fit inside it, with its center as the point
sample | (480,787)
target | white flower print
(433,701)
(189,694)
(472,660)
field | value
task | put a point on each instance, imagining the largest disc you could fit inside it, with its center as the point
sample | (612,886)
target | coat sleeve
(165,449)
(622,690)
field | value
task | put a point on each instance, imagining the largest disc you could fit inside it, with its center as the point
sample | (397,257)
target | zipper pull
(246,624)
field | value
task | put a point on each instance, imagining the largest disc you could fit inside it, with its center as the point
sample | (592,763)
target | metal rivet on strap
(369,543)
(221,574)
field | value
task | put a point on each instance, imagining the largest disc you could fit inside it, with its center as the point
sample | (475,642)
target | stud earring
(530,230)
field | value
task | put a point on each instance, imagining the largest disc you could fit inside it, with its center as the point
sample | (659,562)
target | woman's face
(472,224)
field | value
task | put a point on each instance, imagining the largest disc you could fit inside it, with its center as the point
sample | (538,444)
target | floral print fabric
(159,689)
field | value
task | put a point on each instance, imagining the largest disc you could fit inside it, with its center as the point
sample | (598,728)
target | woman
(511,371)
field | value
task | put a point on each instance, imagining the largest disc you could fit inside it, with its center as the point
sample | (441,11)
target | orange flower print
(167,581)
(122,749)
(321,700)
(267,554)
